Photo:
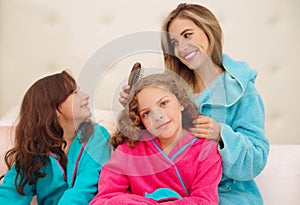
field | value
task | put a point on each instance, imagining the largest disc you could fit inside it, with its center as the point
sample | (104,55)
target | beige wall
(42,37)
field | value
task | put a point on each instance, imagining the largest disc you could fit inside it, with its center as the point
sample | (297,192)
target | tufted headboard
(41,37)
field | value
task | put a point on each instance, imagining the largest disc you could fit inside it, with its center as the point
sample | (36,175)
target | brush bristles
(138,74)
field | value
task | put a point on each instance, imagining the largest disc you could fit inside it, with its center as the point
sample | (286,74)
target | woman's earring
(181,108)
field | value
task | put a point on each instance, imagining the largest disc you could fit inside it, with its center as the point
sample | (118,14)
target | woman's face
(189,41)
(76,107)
(160,112)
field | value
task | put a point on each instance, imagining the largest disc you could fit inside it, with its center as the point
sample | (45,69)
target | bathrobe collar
(230,86)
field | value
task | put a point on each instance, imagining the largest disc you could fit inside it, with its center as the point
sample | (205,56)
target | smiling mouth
(190,55)
(163,125)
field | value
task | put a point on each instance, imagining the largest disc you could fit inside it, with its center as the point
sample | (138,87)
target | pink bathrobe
(144,174)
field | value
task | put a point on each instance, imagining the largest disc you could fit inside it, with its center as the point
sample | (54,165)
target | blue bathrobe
(78,185)
(233,101)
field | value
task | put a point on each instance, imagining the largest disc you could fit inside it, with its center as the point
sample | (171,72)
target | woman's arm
(245,148)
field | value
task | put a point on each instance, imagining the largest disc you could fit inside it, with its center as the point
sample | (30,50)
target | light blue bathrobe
(233,101)
(58,187)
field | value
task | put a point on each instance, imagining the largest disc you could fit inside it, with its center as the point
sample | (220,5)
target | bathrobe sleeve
(96,153)
(48,189)
(9,194)
(245,148)
(114,183)
(113,188)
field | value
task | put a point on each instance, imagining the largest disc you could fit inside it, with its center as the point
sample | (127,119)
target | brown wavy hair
(38,131)
(130,126)
(206,21)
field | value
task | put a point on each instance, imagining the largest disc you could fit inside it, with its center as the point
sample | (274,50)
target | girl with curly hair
(157,160)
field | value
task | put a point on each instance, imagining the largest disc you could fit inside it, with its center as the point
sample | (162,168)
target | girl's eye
(164,103)
(145,114)
(75,91)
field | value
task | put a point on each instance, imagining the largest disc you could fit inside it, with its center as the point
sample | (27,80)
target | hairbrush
(136,73)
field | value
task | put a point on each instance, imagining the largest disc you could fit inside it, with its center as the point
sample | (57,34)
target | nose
(182,44)
(85,96)
(157,114)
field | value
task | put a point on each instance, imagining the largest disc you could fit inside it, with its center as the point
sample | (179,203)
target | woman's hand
(205,127)
(124,95)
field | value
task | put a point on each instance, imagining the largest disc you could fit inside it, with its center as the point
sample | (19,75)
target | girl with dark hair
(58,152)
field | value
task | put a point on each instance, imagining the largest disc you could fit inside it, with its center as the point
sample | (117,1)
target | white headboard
(41,37)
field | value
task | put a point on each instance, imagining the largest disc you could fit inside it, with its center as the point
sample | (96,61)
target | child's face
(75,107)
(160,112)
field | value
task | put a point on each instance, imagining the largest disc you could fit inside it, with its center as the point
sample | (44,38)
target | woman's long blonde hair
(206,21)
